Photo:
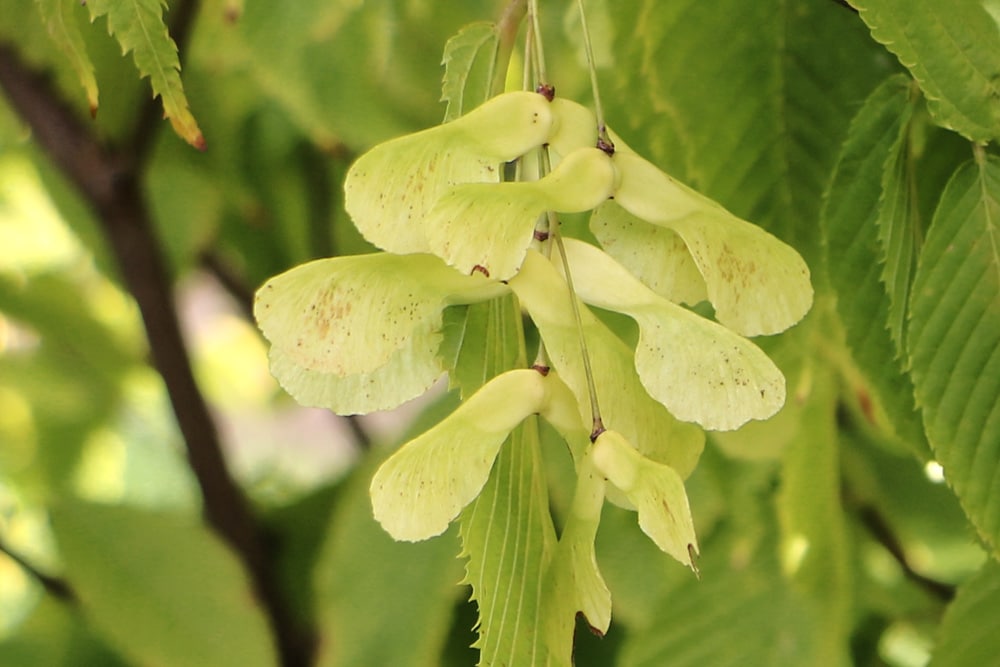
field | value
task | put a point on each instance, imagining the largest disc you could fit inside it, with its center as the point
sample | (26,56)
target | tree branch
(54,586)
(110,182)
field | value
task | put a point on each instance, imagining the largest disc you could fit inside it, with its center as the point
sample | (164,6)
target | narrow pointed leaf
(66,35)
(953,50)
(898,228)
(390,189)
(429,480)
(954,341)
(138,26)
(488,227)
(849,221)
(508,538)
(472,45)
(700,370)
(657,492)
(625,404)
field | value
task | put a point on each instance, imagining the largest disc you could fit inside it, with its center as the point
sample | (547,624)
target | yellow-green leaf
(66,35)
(138,26)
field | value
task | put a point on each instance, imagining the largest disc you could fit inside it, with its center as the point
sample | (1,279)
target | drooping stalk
(603,140)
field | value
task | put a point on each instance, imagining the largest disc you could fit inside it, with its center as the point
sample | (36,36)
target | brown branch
(110,182)
(54,586)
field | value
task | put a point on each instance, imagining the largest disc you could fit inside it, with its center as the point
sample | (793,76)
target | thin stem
(542,77)
(595,408)
(603,140)
(507,27)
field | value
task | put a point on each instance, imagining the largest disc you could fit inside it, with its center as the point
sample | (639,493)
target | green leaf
(626,407)
(160,587)
(967,636)
(138,26)
(850,226)
(744,599)
(657,492)
(508,537)
(701,371)
(455,226)
(954,338)
(461,53)
(364,579)
(361,332)
(392,187)
(757,284)
(952,50)
(476,334)
(899,227)
(66,34)
(814,539)
(430,479)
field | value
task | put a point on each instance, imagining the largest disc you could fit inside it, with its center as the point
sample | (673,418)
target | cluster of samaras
(362,333)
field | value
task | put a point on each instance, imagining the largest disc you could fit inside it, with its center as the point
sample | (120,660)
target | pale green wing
(350,315)
(758,284)
(573,581)
(655,255)
(575,126)
(389,189)
(700,370)
(409,372)
(421,488)
(657,492)
(488,227)
(625,404)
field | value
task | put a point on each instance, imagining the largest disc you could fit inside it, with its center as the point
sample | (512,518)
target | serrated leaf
(508,537)
(454,225)
(361,332)
(138,26)
(390,189)
(899,227)
(967,636)
(954,339)
(849,222)
(952,50)
(700,370)
(461,53)
(480,339)
(160,587)
(625,405)
(65,33)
